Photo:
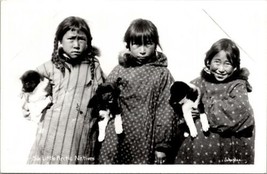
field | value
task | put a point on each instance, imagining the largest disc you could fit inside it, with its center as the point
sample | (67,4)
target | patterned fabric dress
(62,135)
(146,114)
(230,139)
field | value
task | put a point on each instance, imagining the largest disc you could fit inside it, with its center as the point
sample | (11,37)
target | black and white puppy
(36,94)
(186,97)
(105,105)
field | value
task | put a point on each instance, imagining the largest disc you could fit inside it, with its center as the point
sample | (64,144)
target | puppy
(105,106)
(186,98)
(36,95)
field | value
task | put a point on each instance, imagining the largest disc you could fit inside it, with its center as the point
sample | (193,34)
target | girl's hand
(160,157)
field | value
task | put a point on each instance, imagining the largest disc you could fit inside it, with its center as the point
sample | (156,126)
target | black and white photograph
(146,86)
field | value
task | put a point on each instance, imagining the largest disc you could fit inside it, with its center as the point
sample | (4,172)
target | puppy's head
(179,90)
(106,96)
(107,92)
(30,79)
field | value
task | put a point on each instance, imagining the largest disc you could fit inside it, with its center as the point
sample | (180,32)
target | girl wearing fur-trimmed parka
(224,87)
(64,133)
(147,117)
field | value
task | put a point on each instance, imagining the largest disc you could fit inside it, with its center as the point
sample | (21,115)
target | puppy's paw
(193,132)
(101,136)
(205,127)
(204,122)
(118,124)
(102,129)
(102,124)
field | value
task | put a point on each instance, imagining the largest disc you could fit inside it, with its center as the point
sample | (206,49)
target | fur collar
(127,60)
(242,74)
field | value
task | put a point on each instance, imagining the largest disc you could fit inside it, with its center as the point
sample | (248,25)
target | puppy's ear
(192,94)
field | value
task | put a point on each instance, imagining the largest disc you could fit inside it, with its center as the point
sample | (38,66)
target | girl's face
(74,43)
(142,50)
(220,66)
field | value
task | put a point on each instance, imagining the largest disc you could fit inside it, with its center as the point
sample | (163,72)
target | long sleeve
(232,112)
(164,120)
(99,74)
(46,69)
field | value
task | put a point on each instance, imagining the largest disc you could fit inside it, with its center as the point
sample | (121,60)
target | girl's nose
(221,68)
(75,43)
(142,50)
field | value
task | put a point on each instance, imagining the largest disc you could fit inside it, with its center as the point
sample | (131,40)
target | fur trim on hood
(126,59)
(242,74)
(94,52)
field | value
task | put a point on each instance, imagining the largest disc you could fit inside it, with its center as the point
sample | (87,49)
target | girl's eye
(216,61)
(82,38)
(136,43)
(228,63)
(71,38)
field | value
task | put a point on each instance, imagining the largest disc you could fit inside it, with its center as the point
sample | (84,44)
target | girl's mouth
(76,52)
(220,76)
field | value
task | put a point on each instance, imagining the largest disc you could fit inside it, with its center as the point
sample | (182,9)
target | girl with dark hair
(74,71)
(224,87)
(147,117)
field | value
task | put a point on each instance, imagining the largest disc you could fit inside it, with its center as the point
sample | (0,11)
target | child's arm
(164,118)
(233,112)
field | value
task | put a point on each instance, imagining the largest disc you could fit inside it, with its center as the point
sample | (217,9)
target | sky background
(187,29)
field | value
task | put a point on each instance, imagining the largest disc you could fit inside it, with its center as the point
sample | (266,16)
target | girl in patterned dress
(146,114)
(224,89)
(74,71)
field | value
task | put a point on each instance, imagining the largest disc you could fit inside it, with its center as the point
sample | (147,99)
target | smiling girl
(224,89)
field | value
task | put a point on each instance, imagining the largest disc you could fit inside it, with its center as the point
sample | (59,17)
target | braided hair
(73,23)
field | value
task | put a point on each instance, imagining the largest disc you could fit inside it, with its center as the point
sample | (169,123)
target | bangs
(142,38)
(79,29)
(141,32)
(73,24)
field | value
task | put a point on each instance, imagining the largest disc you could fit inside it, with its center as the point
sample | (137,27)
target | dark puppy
(185,98)
(105,106)
(30,79)
(36,94)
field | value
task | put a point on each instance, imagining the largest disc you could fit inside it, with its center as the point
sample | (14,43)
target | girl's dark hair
(230,48)
(79,24)
(141,30)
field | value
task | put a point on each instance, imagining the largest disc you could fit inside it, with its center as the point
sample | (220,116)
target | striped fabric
(62,134)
